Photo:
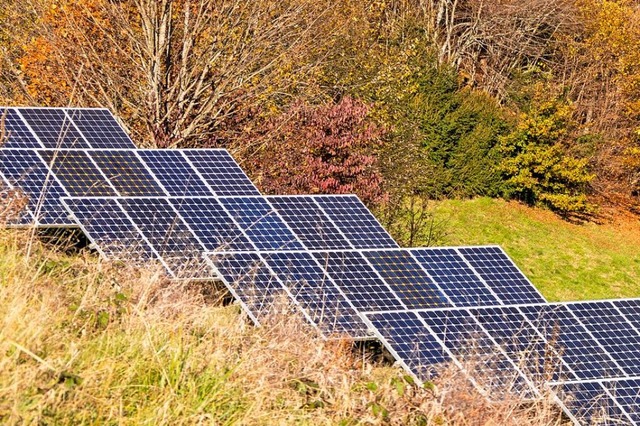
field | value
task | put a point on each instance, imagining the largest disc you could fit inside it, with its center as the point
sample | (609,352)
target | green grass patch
(566,261)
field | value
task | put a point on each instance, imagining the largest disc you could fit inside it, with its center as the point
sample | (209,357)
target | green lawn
(565,261)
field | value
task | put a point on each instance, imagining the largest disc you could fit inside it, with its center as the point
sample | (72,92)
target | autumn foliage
(320,150)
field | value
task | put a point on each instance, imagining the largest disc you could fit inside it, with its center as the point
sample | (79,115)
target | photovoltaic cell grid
(62,128)
(587,351)
(368,280)
(95,172)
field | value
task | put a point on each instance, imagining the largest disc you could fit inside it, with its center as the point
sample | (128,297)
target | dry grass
(84,341)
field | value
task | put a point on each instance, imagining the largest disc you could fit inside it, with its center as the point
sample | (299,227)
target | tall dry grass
(89,342)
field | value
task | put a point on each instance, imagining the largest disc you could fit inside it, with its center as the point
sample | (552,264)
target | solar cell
(15,133)
(309,222)
(221,172)
(77,173)
(358,280)
(316,293)
(407,279)
(25,169)
(100,128)
(173,171)
(447,268)
(110,230)
(502,275)
(126,172)
(261,223)
(169,236)
(616,335)
(53,128)
(212,224)
(355,221)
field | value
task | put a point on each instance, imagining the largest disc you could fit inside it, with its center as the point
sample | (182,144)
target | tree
(319,149)
(175,68)
(536,164)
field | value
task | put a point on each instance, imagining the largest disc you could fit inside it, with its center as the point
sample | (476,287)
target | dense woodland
(400,101)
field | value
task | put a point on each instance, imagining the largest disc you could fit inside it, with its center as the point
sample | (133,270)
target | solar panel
(100,128)
(589,403)
(169,236)
(616,335)
(316,293)
(261,223)
(501,274)
(110,230)
(77,173)
(53,128)
(212,224)
(309,222)
(251,282)
(16,134)
(25,169)
(626,394)
(407,279)
(411,342)
(529,350)
(584,356)
(175,174)
(221,172)
(355,221)
(358,280)
(127,173)
(454,276)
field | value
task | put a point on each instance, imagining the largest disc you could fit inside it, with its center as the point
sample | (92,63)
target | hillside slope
(566,261)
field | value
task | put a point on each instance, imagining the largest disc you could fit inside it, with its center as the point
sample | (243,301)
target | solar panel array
(585,351)
(197,214)
(185,227)
(342,282)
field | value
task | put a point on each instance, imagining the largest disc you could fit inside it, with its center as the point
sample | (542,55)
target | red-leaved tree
(326,149)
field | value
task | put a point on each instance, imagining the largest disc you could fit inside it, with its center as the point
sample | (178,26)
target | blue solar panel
(100,128)
(590,404)
(580,351)
(173,171)
(105,223)
(626,393)
(447,268)
(221,172)
(616,335)
(77,173)
(24,169)
(261,223)
(252,283)
(53,128)
(502,275)
(522,343)
(309,222)
(411,342)
(407,279)
(355,221)
(631,310)
(127,173)
(357,279)
(169,236)
(212,224)
(316,293)
(16,133)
